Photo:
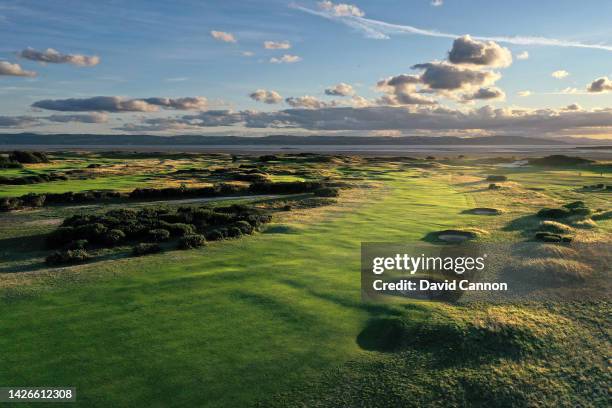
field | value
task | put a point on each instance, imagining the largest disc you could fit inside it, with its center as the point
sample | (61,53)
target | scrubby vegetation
(169,193)
(28,157)
(190,226)
(558,160)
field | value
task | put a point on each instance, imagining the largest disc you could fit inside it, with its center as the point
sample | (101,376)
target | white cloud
(247,53)
(340,89)
(6,68)
(437,3)
(382,30)
(265,96)
(341,9)
(52,56)
(277,45)
(522,55)
(308,102)
(524,93)
(560,74)
(468,51)
(286,59)
(223,36)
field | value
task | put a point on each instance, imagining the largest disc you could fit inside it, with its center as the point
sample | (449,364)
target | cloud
(17,121)
(603,84)
(52,56)
(265,96)
(223,36)
(6,68)
(307,101)
(186,103)
(485,94)
(573,107)
(91,117)
(340,89)
(435,119)
(522,55)
(427,120)
(523,93)
(286,59)
(437,3)
(466,50)
(444,76)
(560,74)
(247,53)
(402,90)
(212,118)
(120,104)
(277,45)
(341,9)
(382,30)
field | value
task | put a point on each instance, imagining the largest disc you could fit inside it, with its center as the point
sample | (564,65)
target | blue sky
(154,49)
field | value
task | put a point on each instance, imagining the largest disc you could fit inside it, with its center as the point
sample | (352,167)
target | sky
(375,67)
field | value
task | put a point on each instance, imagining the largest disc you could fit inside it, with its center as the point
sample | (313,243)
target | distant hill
(140,140)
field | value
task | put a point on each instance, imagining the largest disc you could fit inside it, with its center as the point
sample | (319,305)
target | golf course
(275,317)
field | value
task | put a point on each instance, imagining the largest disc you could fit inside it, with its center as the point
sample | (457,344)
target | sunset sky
(377,67)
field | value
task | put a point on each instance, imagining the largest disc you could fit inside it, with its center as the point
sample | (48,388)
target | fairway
(239,321)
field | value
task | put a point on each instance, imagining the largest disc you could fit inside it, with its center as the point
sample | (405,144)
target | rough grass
(555,270)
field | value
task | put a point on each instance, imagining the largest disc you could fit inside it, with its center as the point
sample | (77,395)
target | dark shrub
(158,235)
(9,203)
(178,229)
(327,192)
(145,249)
(286,187)
(28,157)
(113,237)
(191,241)
(94,166)
(33,200)
(233,232)
(61,237)
(216,234)
(559,160)
(494,186)
(497,178)
(78,244)
(575,204)
(67,257)
(244,227)
(93,232)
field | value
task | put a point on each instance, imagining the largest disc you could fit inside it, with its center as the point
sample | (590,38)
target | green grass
(275,317)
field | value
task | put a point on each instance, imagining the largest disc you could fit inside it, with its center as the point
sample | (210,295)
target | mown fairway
(241,321)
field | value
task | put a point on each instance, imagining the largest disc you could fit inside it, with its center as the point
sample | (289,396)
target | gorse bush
(218,190)
(28,157)
(145,248)
(158,235)
(67,257)
(187,225)
(191,241)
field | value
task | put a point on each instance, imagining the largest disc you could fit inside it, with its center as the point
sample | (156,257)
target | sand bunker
(483,211)
(455,236)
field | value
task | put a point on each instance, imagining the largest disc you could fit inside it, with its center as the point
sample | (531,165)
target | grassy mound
(555,270)
(555,227)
